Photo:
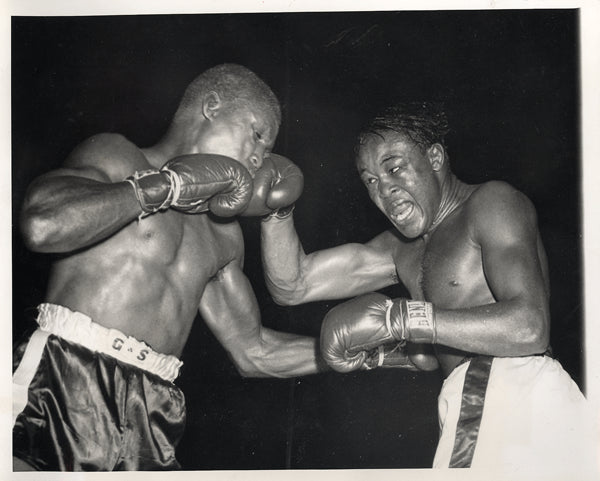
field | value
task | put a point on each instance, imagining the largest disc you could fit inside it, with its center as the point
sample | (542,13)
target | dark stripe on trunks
(471,410)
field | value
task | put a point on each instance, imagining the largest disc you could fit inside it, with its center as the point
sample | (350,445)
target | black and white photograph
(309,241)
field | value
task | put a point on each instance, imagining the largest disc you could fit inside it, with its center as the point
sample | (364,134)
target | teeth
(402,211)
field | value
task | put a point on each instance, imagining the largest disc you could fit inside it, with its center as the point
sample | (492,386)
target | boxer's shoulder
(224,236)
(495,204)
(490,193)
(390,240)
(111,153)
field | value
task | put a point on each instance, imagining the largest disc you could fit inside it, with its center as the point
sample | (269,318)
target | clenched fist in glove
(194,183)
(352,329)
(277,185)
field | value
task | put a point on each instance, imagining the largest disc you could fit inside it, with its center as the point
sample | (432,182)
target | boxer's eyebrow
(388,158)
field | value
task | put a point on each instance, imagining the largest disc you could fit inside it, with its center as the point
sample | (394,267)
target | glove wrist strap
(413,321)
(281,213)
(375,358)
(155,190)
(419,321)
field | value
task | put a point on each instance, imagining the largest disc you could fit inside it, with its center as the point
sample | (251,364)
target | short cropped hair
(425,123)
(236,85)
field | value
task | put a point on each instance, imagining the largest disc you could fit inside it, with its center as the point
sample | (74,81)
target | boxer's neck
(454,194)
(181,138)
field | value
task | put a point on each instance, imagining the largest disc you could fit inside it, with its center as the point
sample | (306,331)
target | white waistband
(80,329)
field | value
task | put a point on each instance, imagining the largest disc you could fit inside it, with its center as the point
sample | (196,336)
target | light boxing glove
(194,183)
(277,185)
(350,330)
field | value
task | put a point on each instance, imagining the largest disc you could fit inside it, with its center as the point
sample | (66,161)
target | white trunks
(515,415)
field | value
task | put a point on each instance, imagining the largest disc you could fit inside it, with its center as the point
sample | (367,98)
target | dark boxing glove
(352,329)
(277,185)
(194,183)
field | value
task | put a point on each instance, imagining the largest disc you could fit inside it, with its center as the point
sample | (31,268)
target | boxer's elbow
(286,293)
(37,230)
(255,367)
(287,298)
(245,367)
(273,354)
(534,339)
(247,370)
(250,362)
(533,333)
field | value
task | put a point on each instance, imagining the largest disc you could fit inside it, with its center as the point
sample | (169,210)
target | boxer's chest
(188,245)
(446,268)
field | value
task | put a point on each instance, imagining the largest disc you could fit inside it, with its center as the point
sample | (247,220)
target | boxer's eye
(258,135)
(394,169)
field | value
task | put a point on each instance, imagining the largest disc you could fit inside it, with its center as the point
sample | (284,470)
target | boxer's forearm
(230,309)
(280,354)
(282,256)
(514,327)
(64,213)
(293,277)
(506,328)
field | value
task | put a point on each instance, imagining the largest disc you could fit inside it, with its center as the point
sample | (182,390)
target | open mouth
(401,211)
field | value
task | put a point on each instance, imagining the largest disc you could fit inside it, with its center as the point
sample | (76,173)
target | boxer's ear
(211,104)
(436,156)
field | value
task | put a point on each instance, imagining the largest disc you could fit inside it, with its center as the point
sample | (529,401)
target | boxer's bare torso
(445,267)
(147,280)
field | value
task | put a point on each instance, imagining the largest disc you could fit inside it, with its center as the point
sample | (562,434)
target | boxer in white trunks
(474,263)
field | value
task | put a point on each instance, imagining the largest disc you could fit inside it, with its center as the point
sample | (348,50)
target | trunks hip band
(78,328)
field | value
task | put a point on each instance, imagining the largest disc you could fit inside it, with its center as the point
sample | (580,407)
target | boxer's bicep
(508,237)
(83,181)
(110,156)
(230,310)
(78,204)
(103,158)
(346,271)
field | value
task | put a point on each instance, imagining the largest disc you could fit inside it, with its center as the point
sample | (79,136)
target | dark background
(510,81)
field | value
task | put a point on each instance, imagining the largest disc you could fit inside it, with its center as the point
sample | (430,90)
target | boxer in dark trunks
(145,239)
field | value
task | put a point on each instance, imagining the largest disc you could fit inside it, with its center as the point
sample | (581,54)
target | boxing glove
(277,185)
(194,183)
(366,322)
